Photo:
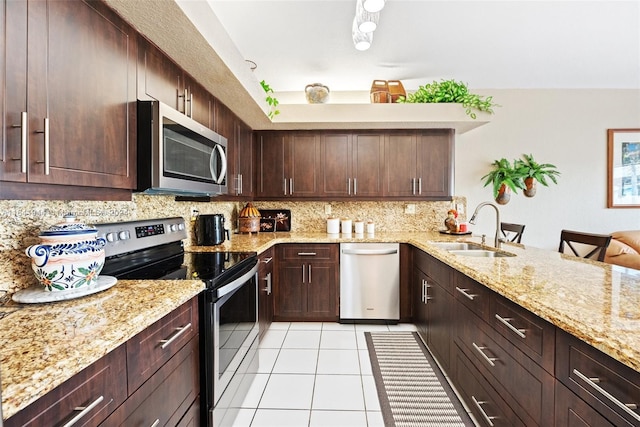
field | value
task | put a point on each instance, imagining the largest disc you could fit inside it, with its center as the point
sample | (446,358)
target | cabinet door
(81,95)
(336,157)
(571,411)
(400,165)
(270,163)
(321,283)
(265,290)
(367,162)
(240,161)
(440,306)
(13,145)
(290,292)
(435,160)
(420,306)
(199,105)
(159,77)
(302,164)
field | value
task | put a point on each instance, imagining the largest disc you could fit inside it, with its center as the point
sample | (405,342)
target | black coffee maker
(209,230)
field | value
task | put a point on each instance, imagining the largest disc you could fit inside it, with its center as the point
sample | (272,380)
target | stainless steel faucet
(497,241)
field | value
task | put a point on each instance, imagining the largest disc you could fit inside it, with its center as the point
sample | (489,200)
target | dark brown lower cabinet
(571,411)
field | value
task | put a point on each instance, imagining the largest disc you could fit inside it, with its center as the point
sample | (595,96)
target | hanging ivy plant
(447,91)
(272,101)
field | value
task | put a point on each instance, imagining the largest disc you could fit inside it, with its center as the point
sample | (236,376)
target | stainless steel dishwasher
(369,282)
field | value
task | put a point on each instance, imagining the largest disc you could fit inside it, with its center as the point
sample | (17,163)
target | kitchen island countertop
(42,345)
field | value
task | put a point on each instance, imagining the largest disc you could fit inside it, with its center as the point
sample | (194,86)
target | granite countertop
(42,345)
(596,302)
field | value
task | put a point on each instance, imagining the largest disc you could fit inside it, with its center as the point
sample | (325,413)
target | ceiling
(486,44)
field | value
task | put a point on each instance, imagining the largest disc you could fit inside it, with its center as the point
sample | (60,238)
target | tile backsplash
(21,221)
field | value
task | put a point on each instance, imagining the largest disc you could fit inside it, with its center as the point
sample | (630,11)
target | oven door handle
(237,283)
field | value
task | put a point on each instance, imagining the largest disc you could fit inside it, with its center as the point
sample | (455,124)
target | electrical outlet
(460,208)
(410,209)
(327,209)
(194,213)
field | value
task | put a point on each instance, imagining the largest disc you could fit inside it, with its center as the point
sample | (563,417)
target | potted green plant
(271,100)
(536,172)
(504,178)
(450,91)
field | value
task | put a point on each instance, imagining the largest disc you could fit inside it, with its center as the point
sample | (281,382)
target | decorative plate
(282,217)
(37,294)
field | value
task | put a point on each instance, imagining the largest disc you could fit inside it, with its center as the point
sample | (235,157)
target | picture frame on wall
(623,156)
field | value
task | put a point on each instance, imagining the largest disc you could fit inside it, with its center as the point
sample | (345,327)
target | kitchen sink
(456,246)
(481,253)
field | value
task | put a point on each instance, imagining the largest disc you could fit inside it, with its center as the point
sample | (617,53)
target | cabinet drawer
(153,347)
(484,402)
(574,412)
(314,252)
(529,333)
(100,388)
(521,382)
(435,269)
(607,385)
(167,396)
(474,295)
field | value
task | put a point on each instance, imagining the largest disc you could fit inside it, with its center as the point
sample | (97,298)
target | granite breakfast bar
(42,345)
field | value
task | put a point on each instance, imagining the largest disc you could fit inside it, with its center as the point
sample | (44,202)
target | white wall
(567,128)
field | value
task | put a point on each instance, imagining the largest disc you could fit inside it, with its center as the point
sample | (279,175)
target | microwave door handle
(218,178)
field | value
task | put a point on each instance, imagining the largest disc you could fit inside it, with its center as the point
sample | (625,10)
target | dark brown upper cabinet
(70,95)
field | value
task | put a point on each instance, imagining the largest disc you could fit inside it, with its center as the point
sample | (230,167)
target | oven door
(235,329)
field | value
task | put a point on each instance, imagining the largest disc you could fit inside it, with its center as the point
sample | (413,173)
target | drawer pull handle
(505,321)
(489,360)
(156,423)
(267,260)
(84,410)
(306,254)
(486,417)
(628,408)
(175,336)
(465,293)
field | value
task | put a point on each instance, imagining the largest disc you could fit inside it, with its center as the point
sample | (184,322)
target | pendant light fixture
(361,40)
(373,5)
(367,21)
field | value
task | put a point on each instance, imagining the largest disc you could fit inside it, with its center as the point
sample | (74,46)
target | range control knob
(111,237)
(181,226)
(124,235)
(173,228)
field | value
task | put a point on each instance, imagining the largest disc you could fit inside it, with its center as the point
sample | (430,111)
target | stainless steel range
(153,249)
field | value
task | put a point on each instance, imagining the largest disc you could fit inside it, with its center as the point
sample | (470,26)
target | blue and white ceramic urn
(70,256)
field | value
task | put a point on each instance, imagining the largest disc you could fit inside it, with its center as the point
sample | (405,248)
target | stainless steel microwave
(177,155)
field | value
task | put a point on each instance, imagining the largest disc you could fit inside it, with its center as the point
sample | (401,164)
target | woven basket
(380,92)
(396,90)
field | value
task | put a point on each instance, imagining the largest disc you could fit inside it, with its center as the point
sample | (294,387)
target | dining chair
(512,232)
(598,243)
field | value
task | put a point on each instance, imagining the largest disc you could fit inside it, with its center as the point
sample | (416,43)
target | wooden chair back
(598,243)
(512,232)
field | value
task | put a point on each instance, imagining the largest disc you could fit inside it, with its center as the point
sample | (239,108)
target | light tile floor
(314,374)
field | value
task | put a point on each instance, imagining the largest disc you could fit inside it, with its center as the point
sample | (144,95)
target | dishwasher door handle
(369,251)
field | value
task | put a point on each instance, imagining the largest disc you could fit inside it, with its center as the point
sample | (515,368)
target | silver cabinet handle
(309,273)
(307,254)
(486,417)
(156,423)
(424,292)
(303,281)
(413,186)
(626,407)
(84,410)
(191,105)
(241,183)
(419,185)
(285,186)
(355,186)
(179,331)
(268,280)
(267,260)
(291,186)
(505,321)
(46,146)
(349,186)
(427,298)
(465,293)
(489,360)
(369,251)
(24,135)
